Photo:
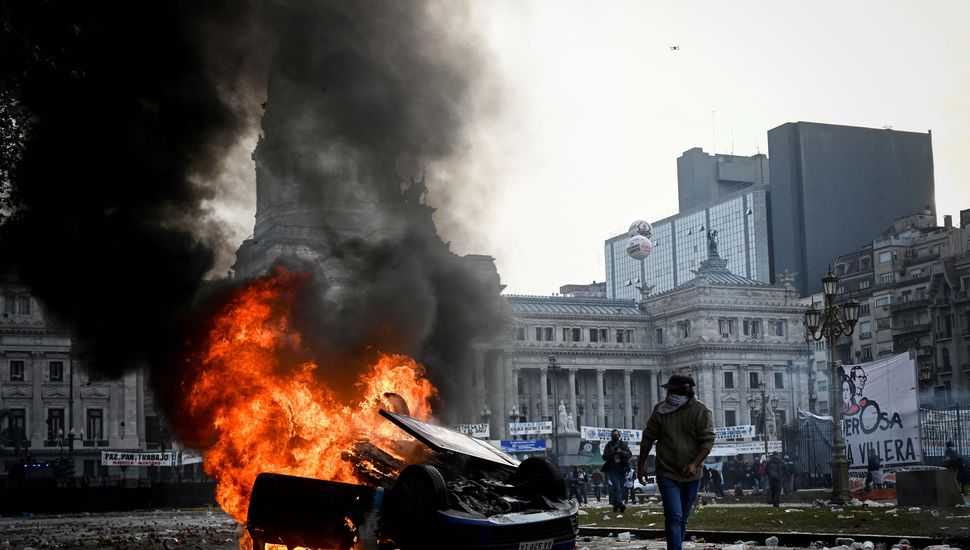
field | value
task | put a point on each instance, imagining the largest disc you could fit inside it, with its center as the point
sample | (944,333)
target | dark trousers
(597,491)
(678,501)
(616,489)
(774,483)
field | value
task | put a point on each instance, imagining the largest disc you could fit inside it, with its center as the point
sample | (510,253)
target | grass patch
(932,522)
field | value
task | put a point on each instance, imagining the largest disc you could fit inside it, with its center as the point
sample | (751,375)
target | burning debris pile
(256,413)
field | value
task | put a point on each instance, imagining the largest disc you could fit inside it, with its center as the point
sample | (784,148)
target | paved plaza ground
(213,529)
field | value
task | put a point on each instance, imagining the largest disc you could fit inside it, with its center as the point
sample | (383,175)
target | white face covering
(672,403)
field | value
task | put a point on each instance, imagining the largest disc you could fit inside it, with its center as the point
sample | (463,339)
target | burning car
(463,494)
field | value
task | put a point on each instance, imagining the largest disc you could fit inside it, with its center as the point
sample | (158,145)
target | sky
(587,108)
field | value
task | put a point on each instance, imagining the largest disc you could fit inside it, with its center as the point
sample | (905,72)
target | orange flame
(272,417)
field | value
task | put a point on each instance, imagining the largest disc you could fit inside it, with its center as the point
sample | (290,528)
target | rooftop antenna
(713,134)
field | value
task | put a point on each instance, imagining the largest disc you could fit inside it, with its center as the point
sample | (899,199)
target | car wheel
(540,476)
(417,494)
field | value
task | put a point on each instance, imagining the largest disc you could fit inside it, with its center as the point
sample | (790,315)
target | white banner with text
(880,411)
(530,428)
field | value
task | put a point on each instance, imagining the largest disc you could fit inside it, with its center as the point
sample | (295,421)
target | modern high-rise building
(833,187)
(703,179)
(679,245)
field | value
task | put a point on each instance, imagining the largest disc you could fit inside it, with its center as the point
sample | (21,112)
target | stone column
(495,392)
(716,375)
(543,393)
(697,373)
(510,385)
(600,406)
(140,431)
(516,398)
(572,393)
(130,417)
(659,378)
(38,420)
(628,399)
(481,387)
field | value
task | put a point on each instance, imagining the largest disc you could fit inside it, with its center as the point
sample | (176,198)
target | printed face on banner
(880,411)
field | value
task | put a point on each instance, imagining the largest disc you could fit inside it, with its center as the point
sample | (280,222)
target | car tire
(540,476)
(417,494)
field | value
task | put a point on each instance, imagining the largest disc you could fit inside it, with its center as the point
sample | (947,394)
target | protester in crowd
(775,470)
(755,473)
(796,473)
(787,487)
(682,427)
(582,481)
(873,471)
(953,461)
(740,471)
(628,494)
(597,479)
(617,461)
(716,484)
(573,479)
(705,479)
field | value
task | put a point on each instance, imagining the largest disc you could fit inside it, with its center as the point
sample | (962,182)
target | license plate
(536,545)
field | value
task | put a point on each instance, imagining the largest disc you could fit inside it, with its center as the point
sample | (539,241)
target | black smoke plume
(362,98)
(133,107)
(109,227)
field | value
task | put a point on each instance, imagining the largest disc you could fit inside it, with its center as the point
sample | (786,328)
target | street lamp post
(827,324)
(553,369)
(759,406)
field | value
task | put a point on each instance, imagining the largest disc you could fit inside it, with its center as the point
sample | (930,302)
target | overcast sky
(597,108)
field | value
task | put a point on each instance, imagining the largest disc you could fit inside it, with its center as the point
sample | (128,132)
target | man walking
(775,469)
(617,455)
(597,479)
(683,430)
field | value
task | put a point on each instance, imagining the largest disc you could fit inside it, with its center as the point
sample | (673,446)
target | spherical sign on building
(639,247)
(642,228)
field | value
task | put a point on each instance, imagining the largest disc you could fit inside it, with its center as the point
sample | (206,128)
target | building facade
(53,410)
(830,181)
(729,332)
(679,246)
(913,283)
(703,179)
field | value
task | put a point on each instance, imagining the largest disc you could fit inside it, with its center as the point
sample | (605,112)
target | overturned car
(463,494)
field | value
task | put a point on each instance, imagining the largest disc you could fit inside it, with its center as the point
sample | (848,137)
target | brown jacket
(679,436)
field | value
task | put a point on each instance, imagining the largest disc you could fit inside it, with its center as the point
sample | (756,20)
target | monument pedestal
(567,452)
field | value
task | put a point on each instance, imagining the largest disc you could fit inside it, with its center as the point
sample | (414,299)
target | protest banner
(880,411)
(478,431)
(530,428)
(109,458)
(734,432)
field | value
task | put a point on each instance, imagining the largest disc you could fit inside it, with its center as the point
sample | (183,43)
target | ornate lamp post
(759,407)
(554,369)
(513,417)
(828,324)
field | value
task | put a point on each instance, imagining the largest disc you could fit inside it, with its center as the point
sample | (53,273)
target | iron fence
(938,426)
(810,438)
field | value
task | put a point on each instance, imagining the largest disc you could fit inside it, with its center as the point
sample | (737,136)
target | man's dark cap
(679,381)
